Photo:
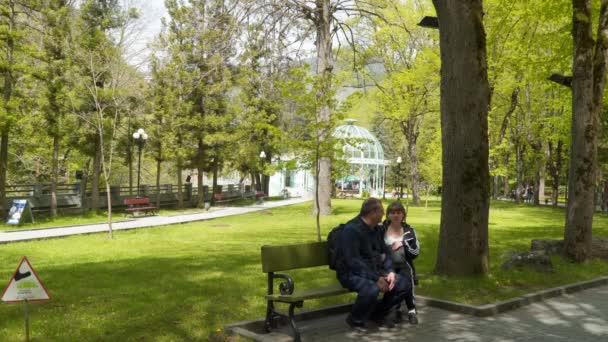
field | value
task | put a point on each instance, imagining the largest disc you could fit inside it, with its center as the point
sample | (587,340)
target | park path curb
(513,303)
(253,328)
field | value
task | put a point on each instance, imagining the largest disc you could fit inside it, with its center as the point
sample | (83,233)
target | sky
(147,28)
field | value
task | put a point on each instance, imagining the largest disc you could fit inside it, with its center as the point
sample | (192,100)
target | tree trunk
(54,175)
(410,131)
(96,173)
(200,200)
(539,195)
(7,92)
(519,171)
(109,199)
(605,196)
(465,95)
(555,166)
(180,187)
(587,90)
(266,178)
(158,165)
(414,173)
(503,131)
(506,187)
(214,185)
(325,71)
(130,159)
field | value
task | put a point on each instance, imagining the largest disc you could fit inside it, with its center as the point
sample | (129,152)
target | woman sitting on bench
(400,238)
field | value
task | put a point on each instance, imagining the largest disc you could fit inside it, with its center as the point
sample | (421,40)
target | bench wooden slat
(141,208)
(290,257)
(132,201)
(320,292)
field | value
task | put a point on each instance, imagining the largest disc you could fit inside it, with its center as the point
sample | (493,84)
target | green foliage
(311,137)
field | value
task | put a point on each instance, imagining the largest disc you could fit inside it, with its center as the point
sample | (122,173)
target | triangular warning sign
(25,285)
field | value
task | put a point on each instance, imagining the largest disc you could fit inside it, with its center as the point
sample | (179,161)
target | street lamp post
(399,160)
(140,138)
(263,158)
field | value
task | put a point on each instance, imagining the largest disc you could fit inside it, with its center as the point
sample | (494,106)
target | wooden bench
(346,194)
(219,198)
(139,205)
(292,257)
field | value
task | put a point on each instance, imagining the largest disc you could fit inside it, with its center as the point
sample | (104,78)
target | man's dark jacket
(362,252)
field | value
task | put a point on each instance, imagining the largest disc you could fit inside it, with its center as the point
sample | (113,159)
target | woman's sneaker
(412,318)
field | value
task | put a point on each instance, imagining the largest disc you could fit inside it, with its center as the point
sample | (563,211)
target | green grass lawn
(184,282)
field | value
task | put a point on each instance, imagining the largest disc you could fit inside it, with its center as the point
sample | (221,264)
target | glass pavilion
(365,157)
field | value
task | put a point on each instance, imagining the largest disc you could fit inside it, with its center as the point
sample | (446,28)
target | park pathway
(141,222)
(580,316)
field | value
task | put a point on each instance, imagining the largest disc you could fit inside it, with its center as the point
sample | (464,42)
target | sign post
(27,322)
(20,212)
(25,286)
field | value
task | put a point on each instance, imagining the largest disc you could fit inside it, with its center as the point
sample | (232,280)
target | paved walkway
(581,316)
(142,222)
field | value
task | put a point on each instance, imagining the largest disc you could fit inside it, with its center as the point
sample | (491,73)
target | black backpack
(333,240)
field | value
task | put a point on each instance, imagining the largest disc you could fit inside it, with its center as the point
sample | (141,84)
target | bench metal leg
(292,321)
(269,324)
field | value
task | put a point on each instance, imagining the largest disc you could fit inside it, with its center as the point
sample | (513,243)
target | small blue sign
(17,211)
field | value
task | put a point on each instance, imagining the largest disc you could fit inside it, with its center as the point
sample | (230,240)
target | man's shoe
(412,318)
(382,322)
(398,316)
(359,326)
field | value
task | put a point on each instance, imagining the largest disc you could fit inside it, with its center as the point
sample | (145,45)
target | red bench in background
(139,205)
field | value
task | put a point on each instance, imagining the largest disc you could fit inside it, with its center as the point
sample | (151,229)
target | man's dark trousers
(367,305)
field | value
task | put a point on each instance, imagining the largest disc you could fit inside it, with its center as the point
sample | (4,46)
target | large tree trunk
(325,71)
(96,174)
(465,95)
(587,91)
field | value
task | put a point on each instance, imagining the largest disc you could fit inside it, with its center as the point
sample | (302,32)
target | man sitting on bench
(365,266)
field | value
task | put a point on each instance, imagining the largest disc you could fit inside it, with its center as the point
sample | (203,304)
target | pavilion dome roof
(360,145)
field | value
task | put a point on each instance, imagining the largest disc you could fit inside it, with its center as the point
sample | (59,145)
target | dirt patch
(266,212)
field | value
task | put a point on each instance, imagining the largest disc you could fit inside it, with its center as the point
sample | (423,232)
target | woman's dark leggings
(410,301)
